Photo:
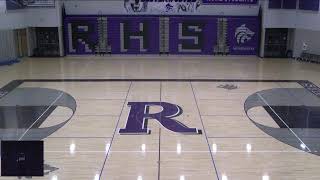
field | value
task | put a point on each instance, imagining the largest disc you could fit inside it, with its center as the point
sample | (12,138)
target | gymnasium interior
(160,89)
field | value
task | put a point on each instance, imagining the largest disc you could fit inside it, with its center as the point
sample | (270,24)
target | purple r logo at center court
(137,122)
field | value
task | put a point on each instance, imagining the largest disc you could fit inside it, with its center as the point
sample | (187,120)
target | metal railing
(309,57)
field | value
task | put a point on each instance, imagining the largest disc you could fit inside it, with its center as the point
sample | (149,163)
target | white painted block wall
(311,38)
(33,17)
(116,7)
(305,23)
(7,45)
(2,7)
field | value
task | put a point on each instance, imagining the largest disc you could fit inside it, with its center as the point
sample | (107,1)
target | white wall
(305,23)
(32,17)
(292,19)
(311,38)
(288,18)
(13,20)
(50,17)
(7,45)
(3,6)
(31,40)
(42,17)
(116,7)
(308,20)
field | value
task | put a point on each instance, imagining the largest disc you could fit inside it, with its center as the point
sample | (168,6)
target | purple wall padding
(72,33)
(289,4)
(197,34)
(275,4)
(207,39)
(151,33)
(309,5)
(243,36)
(312,5)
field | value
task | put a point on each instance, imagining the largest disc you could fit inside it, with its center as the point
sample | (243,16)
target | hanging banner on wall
(21,4)
(231,2)
(14,4)
(161,7)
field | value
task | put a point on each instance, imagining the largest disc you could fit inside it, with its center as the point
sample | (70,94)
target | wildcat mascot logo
(135,6)
(243,34)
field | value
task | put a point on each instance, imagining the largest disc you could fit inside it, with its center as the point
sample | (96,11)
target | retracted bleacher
(309,57)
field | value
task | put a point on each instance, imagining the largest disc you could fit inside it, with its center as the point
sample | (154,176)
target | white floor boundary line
(41,116)
(244,151)
(115,131)
(283,122)
(204,131)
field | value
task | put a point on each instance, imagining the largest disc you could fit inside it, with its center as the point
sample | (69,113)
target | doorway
(278,43)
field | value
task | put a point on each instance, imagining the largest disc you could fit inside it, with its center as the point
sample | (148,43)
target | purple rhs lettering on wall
(154,34)
(133,35)
(81,35)
(137,122)
(192,35)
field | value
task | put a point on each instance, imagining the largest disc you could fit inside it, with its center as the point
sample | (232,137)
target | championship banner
(230,2)
(161,7)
